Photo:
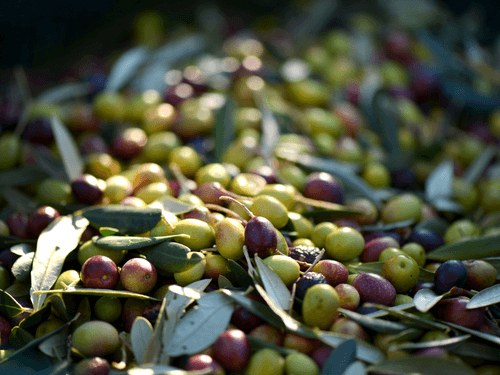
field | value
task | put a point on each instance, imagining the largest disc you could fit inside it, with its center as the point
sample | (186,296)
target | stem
(228,212)
(231,199)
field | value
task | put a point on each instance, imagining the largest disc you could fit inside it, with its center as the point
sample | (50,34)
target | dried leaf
(140,335)
(421,365)
(426,299)
(70,155)
(171,257)
(340,359)
(200,327)
(96,292)
(55,346)
(128,219)
(377,325)
(439,184)
(66,91)
(20,201)
(22,176)
(172,205)
(56,241)
(126,67)
(479,165)
(130,242)
(275,287)
(474,248)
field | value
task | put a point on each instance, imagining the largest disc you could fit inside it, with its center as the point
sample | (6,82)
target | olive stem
(231,199)
(216,207)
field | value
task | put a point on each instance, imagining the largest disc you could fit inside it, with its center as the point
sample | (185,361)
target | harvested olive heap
(279,201)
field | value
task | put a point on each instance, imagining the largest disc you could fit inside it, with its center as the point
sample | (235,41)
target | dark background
(41,33)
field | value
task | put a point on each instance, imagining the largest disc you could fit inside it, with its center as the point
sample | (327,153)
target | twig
(231,199)
(228,212)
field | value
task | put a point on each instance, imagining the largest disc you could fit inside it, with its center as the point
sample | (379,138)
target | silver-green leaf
(140,335)
(274,286)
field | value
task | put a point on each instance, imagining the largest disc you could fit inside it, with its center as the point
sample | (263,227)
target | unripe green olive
(89,249)
(247,184)
(285,267)
(460,230)
(191,199)
(192,274)
(284,193)
(230,238)
(236,208)
(301,224)
(54,192)
(389,253)
(344,244)
(490,197)
(402,207)
(165,226)
(282,246)
(11,150)
(108,309)
(308,92)
(109,106)
(266,362)
(102,165)
(201,234)
(95,338)
(321,231)
(293,175)
(187,159)
(117,188)
(48,326)
(317,120)
(320,305)
(153,191)
(159,147)
(215,172)
(300,364)
(302,242)
(66,278)
(247,117)
(377,175)
(270,208)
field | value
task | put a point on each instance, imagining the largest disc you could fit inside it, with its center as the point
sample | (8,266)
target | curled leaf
(426,299)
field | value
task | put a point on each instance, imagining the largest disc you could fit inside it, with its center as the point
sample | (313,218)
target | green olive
(284,193)
(270,208)
(215,172)
(247,184)
(201,234)
(230,238)
(11,150)
(301,224)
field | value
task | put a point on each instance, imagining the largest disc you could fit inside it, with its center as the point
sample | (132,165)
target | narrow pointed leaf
(270,133)
(330,208)
(439,183)
(66,91)
(55,346)
(22,176)
(126,67)
(239,274)
(426,299)
(475,248)
(476,349)
(485,297)
(106,231)
(340,359)
(257,344)
(8,305)
(223,282)
(436,225)
(48,163)
(21,269)
(153,349)
(377,325)
(140,335)
(171,257)
(19,290)
(381,313)
(224,128)
(274,286)
(70,155)
(448,344)
(56,241)
(172,205)
(20,201)
(421,365)
(130,242)
(200,327)
(96,292)
(387,227)
(479,165)
(128,219)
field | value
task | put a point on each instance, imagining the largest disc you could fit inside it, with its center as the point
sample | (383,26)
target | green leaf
(6,241)
(177,303)
(130,242)
(172,205)
(485,336)
(48,163)
(381,313)
(70,155)
(202,325)
(275,287)
(340,359)
(140,336)
(128,219)
(21,268)
(239,274)
(475,248)
(66,91)
(55,346)
(261,310)
(479,164)
(485,297)
(22,176)
(326,208)
(36,317)
(171,257)
(126,67)
(475,349)
(377,325)
(20,201)
(32,362)
(224,127)
(8,305)
(55,242)
(436,225)
(421,365)
(105,231)
(97,292)
(223,282)
(58,307)
(18,290)
(19,337)
(447,344)
(426,299)
(61,368)
(439,184)
(387,227)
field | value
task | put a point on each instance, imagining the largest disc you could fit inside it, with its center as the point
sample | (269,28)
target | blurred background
(44,33)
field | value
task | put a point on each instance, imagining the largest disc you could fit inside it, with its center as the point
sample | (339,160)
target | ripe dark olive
(374,288)
(449,274)
(454,310)
(323,186)
(40,219)
(39,132)
(260,237)
(18,224)
(232,350)
(129,143)
(100,272)
(244,319)
(307,281)
(87,189)
(428,239)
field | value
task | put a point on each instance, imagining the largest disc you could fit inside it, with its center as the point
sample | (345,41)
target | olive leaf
(421,365)
(275,287)
(474,248)
(448,343)
(224,282)
(172,205)
(426,299)
(70,155)
(55,242)
(6,241)
(475,349)
(239,274)
(130,242)
(340,359)
(485,297)
(329,208)
(21,249)
(200,327)
(485,336)
(9,306)
(270,131)
(257,344)
(158,370)
(153,349)
(224,127)
(436,225)
(106,231)
(377,325)
(479,165)
(20,337)
(66,91)
(20,201)
(19,290)
(84,312)
(126,67)
(55,346)
(127,219)
(21,269)
(381,313)
(355,368)
(21,176)
(439,184)
(171,257)
(96,292)
(140,336)
(387,227)
(48,163)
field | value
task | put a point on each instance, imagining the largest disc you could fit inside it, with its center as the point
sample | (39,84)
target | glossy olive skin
(87,190)
(40,219)
(99,272)
(374,288)
(323,186)
(232,350)
(449,274)
(260,237)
